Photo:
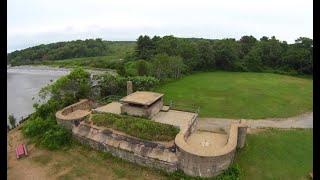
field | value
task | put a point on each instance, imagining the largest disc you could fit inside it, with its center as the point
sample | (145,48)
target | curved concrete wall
(69,121)
(206,163)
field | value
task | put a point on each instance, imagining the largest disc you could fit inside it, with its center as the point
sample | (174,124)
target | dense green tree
(70,88)
(253,60)
(246,43)
(165,66)
(145,47)
(12,121)
(142,68)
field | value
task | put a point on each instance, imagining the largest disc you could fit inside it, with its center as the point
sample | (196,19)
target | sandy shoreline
(28,69)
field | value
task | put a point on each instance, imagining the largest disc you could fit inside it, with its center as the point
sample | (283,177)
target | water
(24,83)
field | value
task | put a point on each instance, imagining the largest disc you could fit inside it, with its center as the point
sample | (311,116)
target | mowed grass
(277,154)
(241,94)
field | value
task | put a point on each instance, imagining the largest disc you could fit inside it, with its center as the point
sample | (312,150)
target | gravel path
(302,121)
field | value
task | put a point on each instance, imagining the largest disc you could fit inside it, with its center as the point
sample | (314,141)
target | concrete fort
(195,152)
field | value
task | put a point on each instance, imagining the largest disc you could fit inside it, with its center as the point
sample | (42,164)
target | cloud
(42,21)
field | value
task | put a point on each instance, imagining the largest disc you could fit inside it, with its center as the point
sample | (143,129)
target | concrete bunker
(142,103)
(187,152)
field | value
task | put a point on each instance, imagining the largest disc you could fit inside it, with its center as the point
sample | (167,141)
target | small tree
(12,121)
(142,67)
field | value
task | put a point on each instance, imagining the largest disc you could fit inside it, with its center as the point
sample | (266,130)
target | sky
(35,22)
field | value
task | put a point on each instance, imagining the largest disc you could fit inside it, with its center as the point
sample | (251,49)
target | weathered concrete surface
(207,141)
(142,98)
(113,107)
(145,153)
(145,111)
(77,114)
(129,87)
(72,115)
(302,121)
(177,118)
(165,108)
(205,162)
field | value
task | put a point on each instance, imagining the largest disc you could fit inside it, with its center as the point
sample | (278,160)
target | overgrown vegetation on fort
(137,127)
(42,127)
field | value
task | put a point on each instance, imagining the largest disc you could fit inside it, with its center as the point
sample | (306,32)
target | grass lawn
(242,95)
(277,154)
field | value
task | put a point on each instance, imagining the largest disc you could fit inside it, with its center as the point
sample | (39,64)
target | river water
(24,83)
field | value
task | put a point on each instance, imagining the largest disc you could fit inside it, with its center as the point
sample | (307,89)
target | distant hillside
(70,50)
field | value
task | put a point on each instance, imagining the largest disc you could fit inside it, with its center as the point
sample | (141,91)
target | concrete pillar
(129,87)
(242,132)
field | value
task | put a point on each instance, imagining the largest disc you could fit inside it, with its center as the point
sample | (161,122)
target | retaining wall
(145,153)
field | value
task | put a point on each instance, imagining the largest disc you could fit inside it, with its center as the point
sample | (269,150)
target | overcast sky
(33,22)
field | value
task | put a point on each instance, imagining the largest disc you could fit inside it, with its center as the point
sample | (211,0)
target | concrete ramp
(113,107)
(177,118)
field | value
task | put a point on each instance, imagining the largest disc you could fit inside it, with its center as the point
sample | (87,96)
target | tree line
(246,54)
(169,56)
(58,51)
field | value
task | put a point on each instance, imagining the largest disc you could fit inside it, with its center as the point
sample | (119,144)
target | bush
(116,85)
(56,137)
(232,173)
(142,83)
(37,127)
(137,127)
(12,121)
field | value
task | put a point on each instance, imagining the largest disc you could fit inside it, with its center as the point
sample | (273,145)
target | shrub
(56,137)
(12,121)
(232,173)
(138,127)
(142,83)
(37,127)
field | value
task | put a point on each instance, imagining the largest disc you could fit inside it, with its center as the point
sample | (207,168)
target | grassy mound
(277,154)
(137,127)
(241,95)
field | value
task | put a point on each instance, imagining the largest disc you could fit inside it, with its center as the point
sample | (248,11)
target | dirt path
(23,168)
(302,121)
(78,162)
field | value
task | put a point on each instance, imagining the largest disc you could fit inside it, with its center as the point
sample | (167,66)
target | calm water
(24,83)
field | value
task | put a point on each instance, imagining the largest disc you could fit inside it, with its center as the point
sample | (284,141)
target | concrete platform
(201,140)
(77,114)
(176,118)
(113,107)
(165,108)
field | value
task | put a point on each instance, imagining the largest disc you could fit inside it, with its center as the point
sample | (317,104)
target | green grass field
(277,154)
(241,95)
(100,62)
